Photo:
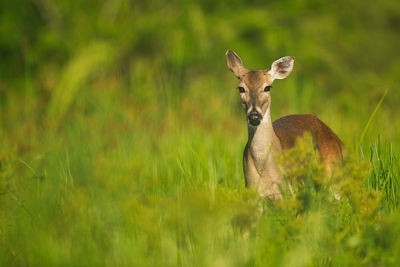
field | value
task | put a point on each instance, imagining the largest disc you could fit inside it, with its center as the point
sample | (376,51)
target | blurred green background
(121,129)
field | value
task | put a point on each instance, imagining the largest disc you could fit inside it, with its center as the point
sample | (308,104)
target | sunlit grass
(130,196)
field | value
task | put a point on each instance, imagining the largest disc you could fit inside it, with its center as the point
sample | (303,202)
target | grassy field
(121,133)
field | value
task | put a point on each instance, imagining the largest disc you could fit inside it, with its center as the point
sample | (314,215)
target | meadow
(122,133)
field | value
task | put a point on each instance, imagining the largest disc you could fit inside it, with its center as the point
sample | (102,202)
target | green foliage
(121,133)
(384,173)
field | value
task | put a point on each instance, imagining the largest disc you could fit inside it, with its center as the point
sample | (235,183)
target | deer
(267,139)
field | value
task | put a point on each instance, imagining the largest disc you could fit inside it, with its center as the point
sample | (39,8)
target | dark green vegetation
(121,133)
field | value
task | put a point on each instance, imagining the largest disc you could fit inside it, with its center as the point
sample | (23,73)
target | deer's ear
(281,68)
(235,63)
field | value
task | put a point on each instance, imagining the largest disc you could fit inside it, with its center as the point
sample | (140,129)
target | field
(122,133)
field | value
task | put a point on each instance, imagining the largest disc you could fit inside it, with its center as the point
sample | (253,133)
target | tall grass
(384,173)
(118,207)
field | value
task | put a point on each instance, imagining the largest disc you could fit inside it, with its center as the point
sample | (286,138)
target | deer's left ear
(281,68)
(235,63)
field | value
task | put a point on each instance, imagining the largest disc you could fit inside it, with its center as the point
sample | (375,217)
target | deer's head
(255,85)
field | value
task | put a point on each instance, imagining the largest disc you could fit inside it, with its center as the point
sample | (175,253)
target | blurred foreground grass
(121,133)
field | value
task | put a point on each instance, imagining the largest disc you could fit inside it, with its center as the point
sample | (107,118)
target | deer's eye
(267,88)
(241,89)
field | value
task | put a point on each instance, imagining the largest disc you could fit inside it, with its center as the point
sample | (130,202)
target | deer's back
(289,128)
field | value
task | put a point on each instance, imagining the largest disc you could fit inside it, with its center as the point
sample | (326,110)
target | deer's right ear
(235,63)
(281,68)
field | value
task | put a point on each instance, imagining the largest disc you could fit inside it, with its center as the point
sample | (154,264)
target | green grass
(121,134)
(170,194)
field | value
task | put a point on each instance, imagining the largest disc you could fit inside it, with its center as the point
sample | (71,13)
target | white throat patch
(266,116)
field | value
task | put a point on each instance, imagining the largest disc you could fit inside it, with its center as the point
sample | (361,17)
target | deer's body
(289,128)
(267,139)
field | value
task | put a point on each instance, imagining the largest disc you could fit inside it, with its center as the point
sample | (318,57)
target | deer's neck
(261,170)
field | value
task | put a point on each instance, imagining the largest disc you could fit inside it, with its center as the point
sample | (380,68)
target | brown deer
(266,138)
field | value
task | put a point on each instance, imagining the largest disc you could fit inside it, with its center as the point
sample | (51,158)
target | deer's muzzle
(254,118)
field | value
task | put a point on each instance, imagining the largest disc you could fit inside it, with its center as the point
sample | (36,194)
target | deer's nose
(254,118)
